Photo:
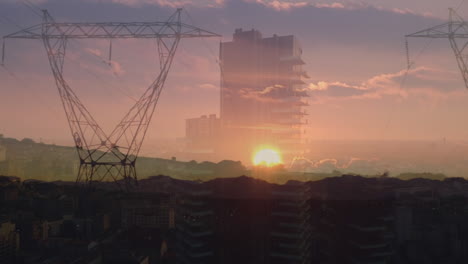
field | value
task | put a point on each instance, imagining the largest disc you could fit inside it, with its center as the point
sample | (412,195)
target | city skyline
(353,95)
(233,131)
(359,90)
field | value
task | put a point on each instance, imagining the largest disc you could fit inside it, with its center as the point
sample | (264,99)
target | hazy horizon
(354,53)
(233,131)
(348,156)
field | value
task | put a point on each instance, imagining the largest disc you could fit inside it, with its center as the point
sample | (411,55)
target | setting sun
(267,157)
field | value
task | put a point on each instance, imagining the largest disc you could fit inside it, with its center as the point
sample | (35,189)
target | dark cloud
(314,24)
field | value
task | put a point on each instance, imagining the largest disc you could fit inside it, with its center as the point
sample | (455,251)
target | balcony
(294,60)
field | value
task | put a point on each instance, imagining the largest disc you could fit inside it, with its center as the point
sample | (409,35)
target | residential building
(291,232)
(203,133)
(9,241)
(262,93)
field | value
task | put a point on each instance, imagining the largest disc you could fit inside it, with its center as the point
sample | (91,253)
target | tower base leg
(124,175)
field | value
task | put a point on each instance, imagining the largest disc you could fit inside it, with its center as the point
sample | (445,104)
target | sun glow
(267,157)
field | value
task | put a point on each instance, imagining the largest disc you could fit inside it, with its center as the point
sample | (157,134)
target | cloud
(208,86)
(94,52)
(424,81)
(362,5)
(115,67)
(287,5)
(36,2)
(252,94)
(322,86)
(328,165)
(270,89)
(201,67)
(407,11)
(171,3)
(139,3)
(271,94)
(279,5)
(333,5)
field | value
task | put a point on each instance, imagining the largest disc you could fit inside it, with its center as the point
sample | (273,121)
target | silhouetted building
(2,153)
(243,220)
(262,92)
(203,134)
(148,211)
(357,232)
(291,233)
(347,219)
(431,224)
(355,220)
(9,241)
(195,220)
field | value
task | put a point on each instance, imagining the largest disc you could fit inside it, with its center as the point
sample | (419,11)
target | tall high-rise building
(9,241)
(290,217)
(262,92)
(194,226)
(203,133)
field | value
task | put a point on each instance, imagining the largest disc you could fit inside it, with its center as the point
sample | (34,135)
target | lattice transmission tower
(456,31)
(112,155)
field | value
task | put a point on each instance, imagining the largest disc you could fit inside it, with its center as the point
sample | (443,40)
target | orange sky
(354,53)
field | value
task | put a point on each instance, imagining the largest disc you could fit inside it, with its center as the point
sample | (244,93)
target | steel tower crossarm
(110,155)
(112,30)
(456,31)
(446,30)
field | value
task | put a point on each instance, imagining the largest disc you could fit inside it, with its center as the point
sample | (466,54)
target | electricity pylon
(456,31)
(102,155)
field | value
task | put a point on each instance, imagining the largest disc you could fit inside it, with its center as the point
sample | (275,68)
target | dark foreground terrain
(346,219)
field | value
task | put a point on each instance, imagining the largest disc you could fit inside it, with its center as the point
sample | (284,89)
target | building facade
(9,241)
(291,232)
(203,133)
(262,92)
(148,211)
(194,226)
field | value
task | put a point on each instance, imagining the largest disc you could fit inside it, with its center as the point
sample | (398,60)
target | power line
(32,8)
(115,152)
(208,47)
(459,5)
(10,21)
(33,5)
(14,76)
(455,31)
(74,41)
(100,79)
(27,87)
(403,81)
